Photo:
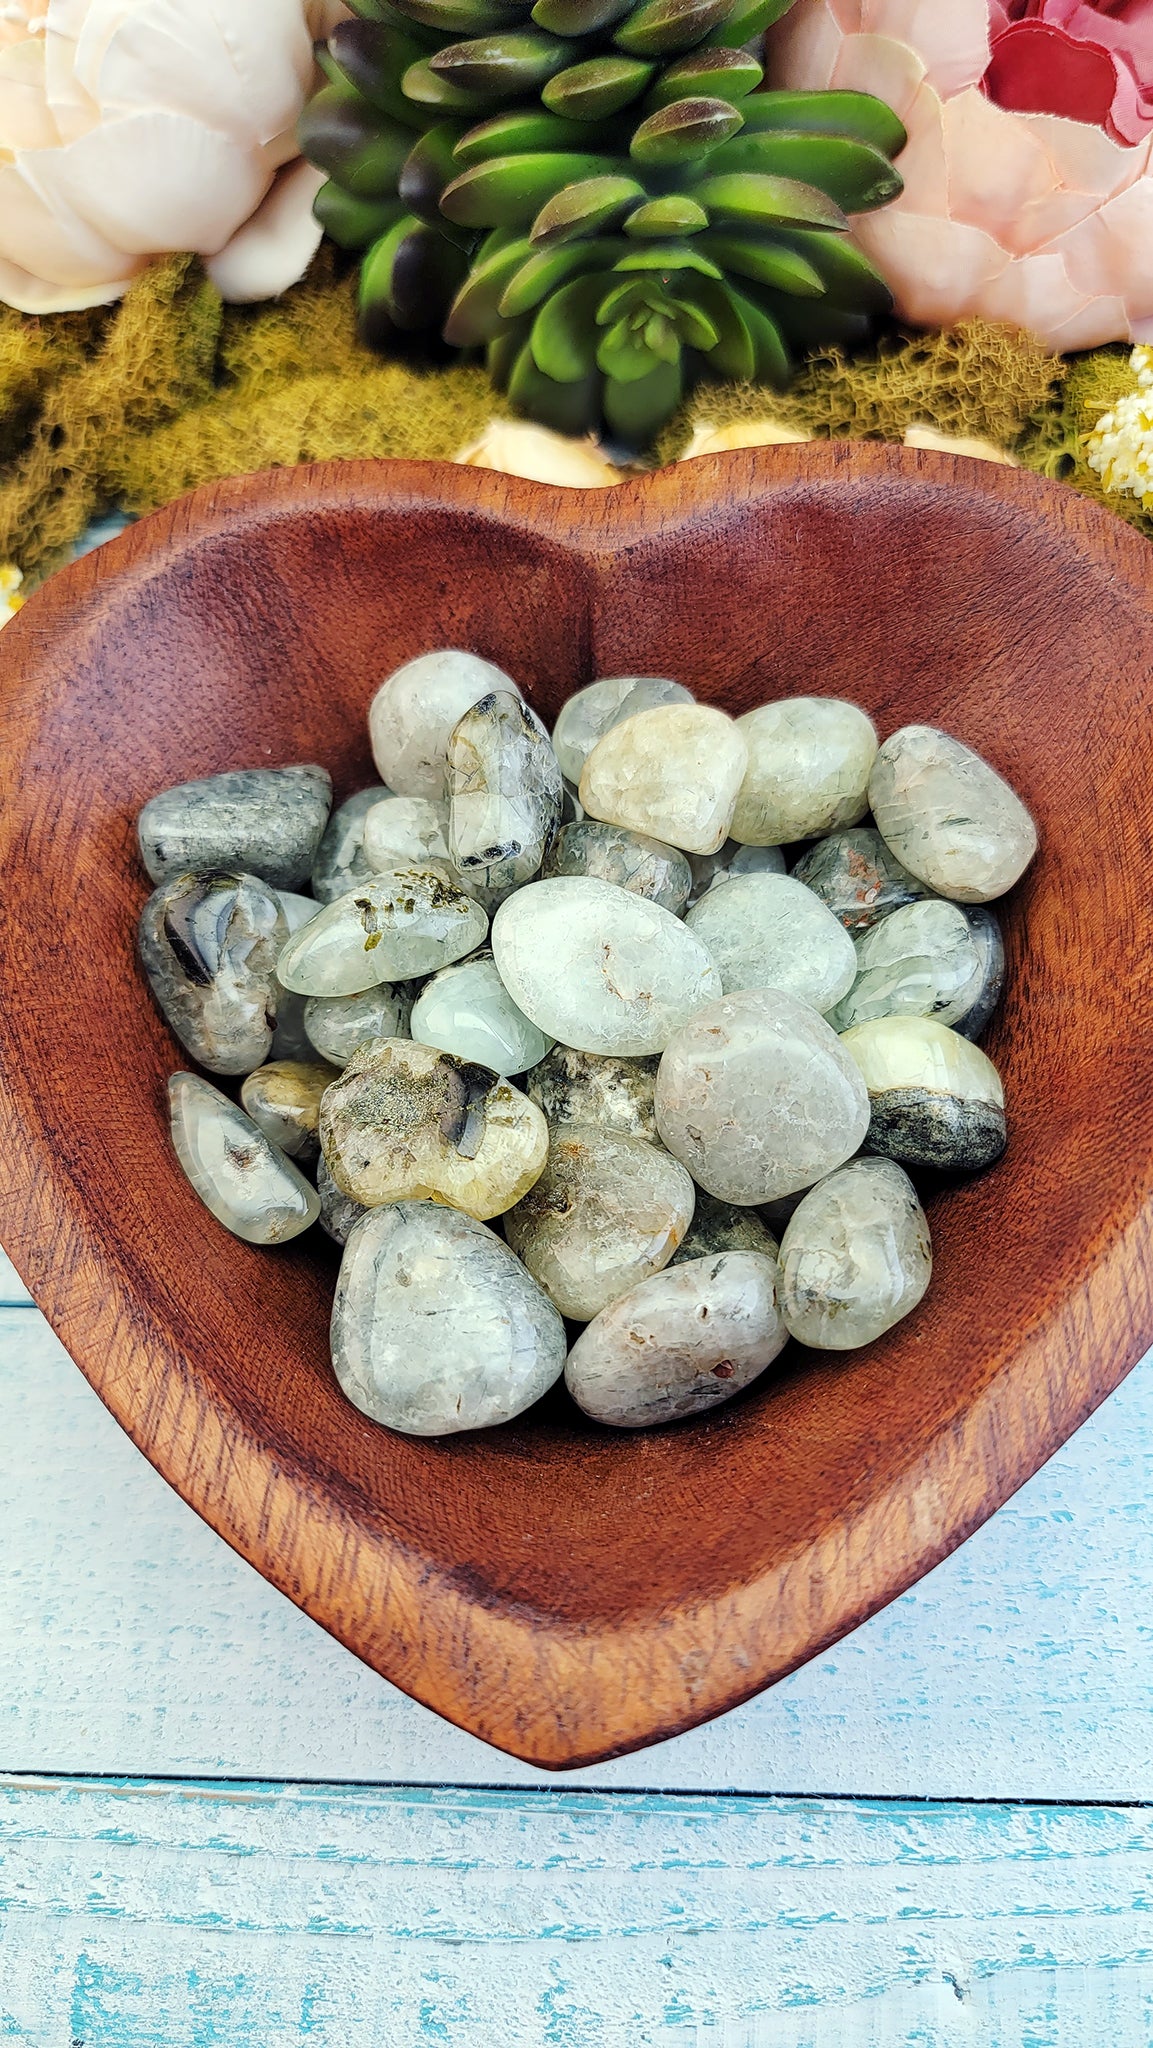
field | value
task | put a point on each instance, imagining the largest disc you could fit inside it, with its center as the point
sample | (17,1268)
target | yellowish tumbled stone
(673,773)
(607,1211)
(283,1099)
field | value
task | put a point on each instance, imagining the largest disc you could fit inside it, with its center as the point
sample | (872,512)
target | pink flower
(1028,172)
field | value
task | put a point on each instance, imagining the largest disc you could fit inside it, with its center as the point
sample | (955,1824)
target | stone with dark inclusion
(936,1099)
(338,1212)
(414,711)
(722,1227)
(209,943)
(930,959)
(261,821)
(406,922)
(606,1212)
(856,1256)
(246,1183)
(596,1088)
(291,1040)
(341,862)
(504,789)
(437,1327)
(630,860)
(949,816)
(283,1098)
(855,873)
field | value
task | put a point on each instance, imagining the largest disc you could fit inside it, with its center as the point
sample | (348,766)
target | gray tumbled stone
(858,877)
(855,1257)
(262,821)
(338,1211)
(596,1088)
(936,1099)
(630,860)
(341,862)
(337,1025)
(722,1227)
(930,959)
(949,816)
(504,789)
(606,1211)
(769,931)
(209,944)
(246,1183)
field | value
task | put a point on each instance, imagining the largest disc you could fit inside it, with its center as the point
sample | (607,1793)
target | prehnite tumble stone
(607,1211)
(673,773)
(598,969)
(337,1025)
(247,1184)
(808,772)
(437,1327)
(586,717)
(283,1099)
(936,1099)
(630,860)
(290,1040)
(467,1010)
(407,922)
(414,711)
(857,876)
(262,821)
(594,1088)
(722,1227)
(504,792)
(680,1343)
(949,816)
(709,870)
(341,863)
(405,828)
(209,944)
(769,931)
(855,1257)
(757,1097)
(338,1213)
(931,959)
(404,1122)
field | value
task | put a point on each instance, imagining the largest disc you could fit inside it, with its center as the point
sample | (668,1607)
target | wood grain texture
(1020,1668)
(554,1590)
(276,1917)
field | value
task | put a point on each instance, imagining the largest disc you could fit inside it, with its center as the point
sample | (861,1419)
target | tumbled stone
(598,969)
(709,870)
(467,1010)
(936,1099)
(337,1025)
(437,1327)
(857,876)
(405,828)
(808,772)
(629,860)
(931,959)
(593,1088)
(504,792)
(259,821)
(586,717)
(210,943)
(283,1099)
(607,1211)
(673,773)
(404,1122)
(949,816)
(722,1227)
(338,1213)
(855,1257)
(680,1343)
(406,922)
(247,1184)
(757,1097)
(414,711)
(769,931)
(341,863)
(290,1040)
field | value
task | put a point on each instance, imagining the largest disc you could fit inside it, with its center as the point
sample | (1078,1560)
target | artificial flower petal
(542,457)
(196,176)
(276,244)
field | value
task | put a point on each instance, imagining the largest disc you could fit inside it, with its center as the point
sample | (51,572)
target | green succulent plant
(597,193)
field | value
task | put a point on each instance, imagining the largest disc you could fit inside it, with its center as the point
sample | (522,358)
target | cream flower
(1034,220)
(1120,448)
(542,457)
(132,127)
(10,598)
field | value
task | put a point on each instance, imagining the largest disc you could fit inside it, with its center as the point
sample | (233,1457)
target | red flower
(1091,60)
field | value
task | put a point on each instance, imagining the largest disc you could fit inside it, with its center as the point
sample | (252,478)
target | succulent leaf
(545,269)
(684,131)
(854,174)
(677,213)
(709,74)
(856,114)
(598,87)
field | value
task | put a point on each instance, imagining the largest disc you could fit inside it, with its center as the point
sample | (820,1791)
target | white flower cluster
(1120,448)
(10,599)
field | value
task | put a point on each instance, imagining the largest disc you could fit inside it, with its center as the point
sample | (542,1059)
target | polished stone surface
(607,1211)
(437,1327)
(857,876)
(336,1025)
(769,931)
(240,1177)
(673,773)
(209,944)
(598,969)
(408,921)
(936,1099)
(722,1227)
(680,1343)
(283,1099)
(261,821)
(404,1122)
(949,816)
(630,860)
(504,789)
(414,711)
(467,1010)
(757,1097)
(596,1088)
(808,772)
(338,1212)
(341,863)
(588,715)
(405,828)
(855,1257)
(931,959)
(709,870)
(290,1040)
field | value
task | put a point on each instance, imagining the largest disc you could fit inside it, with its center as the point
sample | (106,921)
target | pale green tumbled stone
(607,1211)
(769,931)
(949,816)
(338,1212)
(709,870)
(504,788)
(758,1098)
(467,1010)
(290,1040)
(246,1183)
(283,1099)
(437,1327)
(630,860)
(261,821)
(598,969)
(936,1099)
(337,1025)
(405,828)
(858,877)
(414,711)
(855,1257)
(209,944)
(404,923)
(594,1088)
(931,959)
(673,773)
(808,770)
(587,716)
(679,1343)
(722,1227)
(340,862)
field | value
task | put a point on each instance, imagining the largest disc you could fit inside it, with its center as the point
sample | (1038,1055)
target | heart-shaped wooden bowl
(565,1592)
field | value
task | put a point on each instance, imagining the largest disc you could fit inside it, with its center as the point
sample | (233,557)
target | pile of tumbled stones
(563,1042)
